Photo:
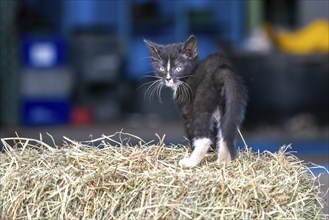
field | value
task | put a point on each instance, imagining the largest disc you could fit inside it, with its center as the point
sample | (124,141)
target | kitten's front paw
(188,162)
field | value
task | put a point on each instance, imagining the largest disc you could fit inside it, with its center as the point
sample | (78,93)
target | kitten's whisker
(180,93)
(154,90)
(189,88)
(150,88)
(183,94)
(189,91)
(151,94)
(149,76)
(159,92)
(144,84)
(184,90)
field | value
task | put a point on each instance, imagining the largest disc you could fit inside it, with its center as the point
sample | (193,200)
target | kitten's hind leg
(224,153)
(225,147)
(222,145)
(201,146)
(213,136)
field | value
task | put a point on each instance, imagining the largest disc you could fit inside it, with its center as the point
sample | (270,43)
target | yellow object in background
(312,38)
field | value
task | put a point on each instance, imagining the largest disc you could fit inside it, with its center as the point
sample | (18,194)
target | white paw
(188,162)
(223,153)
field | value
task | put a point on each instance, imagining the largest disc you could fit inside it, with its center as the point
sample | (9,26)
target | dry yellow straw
(144,181)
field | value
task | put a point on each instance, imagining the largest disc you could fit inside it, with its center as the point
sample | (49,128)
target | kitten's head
(173,63)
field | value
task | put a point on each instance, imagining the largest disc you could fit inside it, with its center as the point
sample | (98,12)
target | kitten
(210,95)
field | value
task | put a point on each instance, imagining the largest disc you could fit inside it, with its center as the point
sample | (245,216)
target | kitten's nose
(168,79)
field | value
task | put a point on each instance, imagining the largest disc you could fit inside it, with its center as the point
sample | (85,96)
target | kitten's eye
(178,69)
(162,69)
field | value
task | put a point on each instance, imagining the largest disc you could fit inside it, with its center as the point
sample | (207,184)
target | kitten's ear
(154,49)
(190,48)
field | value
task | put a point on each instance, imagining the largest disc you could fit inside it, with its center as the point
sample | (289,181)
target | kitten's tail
(235,94)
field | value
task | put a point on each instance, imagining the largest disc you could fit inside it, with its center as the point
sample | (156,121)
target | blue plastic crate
(46,111)
(43,51)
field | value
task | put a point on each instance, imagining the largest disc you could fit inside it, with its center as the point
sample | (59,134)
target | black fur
(201,88)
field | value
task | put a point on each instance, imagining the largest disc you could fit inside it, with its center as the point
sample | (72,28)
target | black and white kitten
(210,95)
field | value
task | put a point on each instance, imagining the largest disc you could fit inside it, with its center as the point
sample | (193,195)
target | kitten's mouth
(170,83)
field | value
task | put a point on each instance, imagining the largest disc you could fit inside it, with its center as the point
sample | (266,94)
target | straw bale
(97,180)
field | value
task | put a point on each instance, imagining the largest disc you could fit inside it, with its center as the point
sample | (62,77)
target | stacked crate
(46,81)
(97,62)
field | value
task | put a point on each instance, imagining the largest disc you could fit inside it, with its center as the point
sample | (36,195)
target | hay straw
(78,181)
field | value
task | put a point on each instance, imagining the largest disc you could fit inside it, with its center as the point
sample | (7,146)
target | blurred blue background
(73,68)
